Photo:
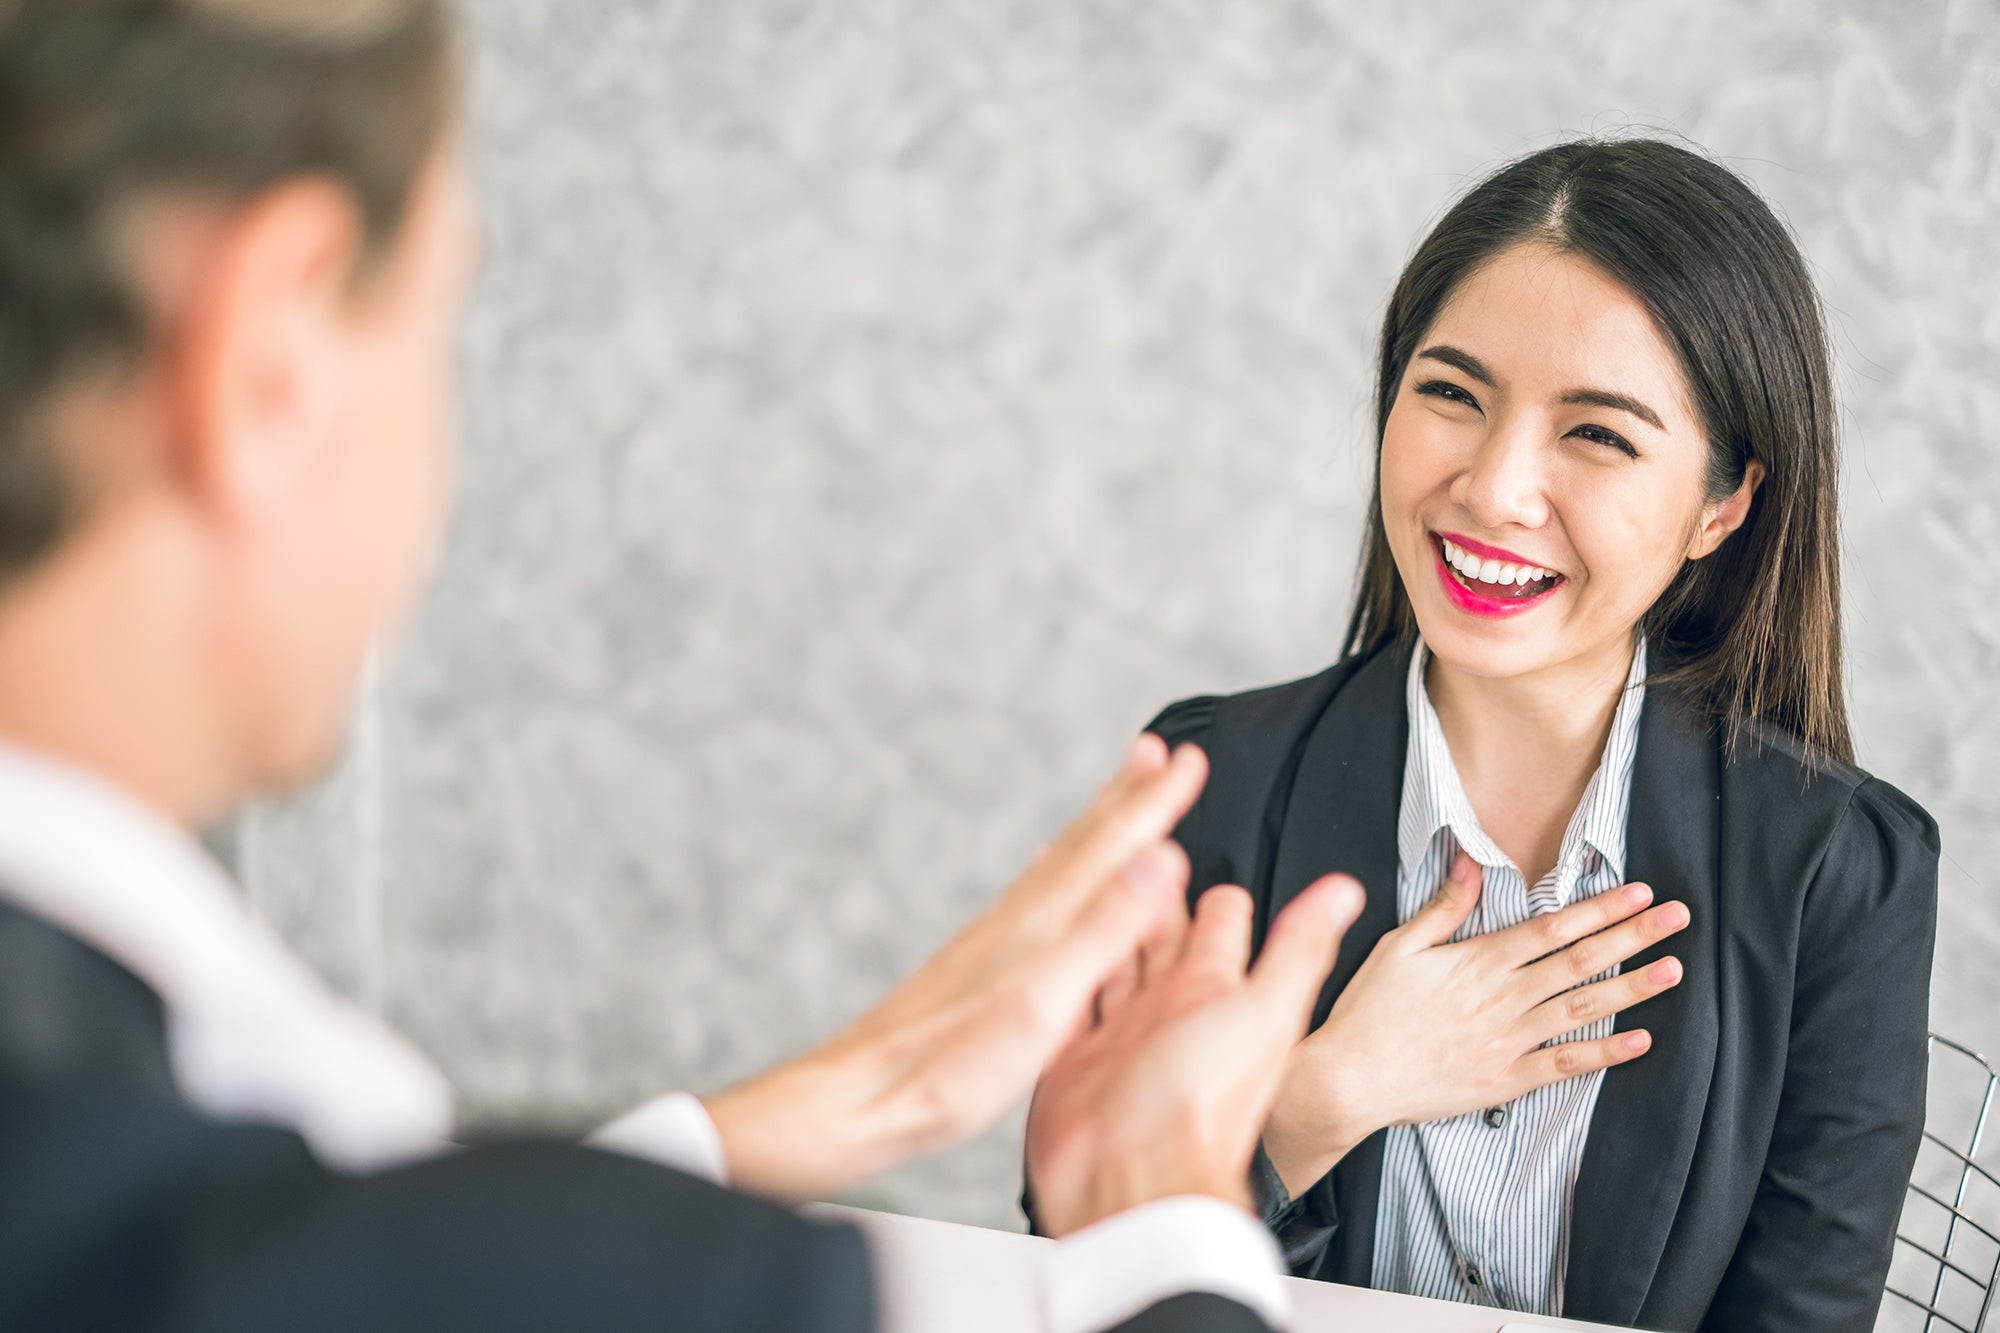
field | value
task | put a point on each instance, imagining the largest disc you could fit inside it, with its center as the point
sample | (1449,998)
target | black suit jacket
(1747,1172)
(123,1208)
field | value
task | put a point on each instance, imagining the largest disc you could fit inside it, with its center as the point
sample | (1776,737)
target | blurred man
(234,236)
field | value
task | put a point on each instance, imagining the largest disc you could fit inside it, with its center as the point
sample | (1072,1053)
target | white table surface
(941,1277)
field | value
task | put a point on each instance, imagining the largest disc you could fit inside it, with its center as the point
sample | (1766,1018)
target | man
(233,240)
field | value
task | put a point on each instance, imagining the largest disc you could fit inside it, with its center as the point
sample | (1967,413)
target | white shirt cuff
(1108,1273)
(674,1130)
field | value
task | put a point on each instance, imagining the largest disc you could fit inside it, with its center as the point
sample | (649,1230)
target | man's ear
(1724,516)
(255,364)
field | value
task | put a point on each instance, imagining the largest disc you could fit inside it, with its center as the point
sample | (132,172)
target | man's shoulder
(71,1014)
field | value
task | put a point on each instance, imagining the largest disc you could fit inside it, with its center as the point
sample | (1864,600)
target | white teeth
(1493,571)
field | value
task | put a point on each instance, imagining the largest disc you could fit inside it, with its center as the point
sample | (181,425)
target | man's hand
(1429,1029)
(1164,1093)
(949,1051)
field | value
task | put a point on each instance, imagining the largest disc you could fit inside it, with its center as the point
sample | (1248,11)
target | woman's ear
(1721,517)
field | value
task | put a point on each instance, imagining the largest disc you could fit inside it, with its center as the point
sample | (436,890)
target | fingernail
(1345,903)
(1639,894)
(1666,972)
(1638,1042)
(1151,872)
(1675,915)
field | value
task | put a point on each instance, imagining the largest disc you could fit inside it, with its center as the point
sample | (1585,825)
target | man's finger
(1117,992)
(1135,810)
(989,1058)
(1087,959)
(1302,945)
(1160,949)
(1449,907)
(1219,939)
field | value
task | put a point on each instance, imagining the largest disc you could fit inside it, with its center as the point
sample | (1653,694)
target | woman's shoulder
(1269,713)
(1769,757)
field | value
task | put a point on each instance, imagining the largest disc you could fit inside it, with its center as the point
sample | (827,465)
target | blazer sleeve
(125,1208)
(1178,724)
(1195,1312)
(1815,1251)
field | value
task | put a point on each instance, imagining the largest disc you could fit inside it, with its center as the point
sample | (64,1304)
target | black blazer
(122,1208)
(1747,1172)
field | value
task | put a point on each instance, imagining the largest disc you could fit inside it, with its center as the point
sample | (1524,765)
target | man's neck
(101,668)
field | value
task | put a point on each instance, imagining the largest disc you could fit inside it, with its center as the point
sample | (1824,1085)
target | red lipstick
(1489,600)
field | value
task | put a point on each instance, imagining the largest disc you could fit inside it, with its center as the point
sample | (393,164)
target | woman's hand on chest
(1430,1029)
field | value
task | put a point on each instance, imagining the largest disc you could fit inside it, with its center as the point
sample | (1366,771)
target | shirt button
(1495,1116)
(1471,1275)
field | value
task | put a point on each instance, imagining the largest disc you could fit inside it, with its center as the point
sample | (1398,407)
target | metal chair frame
(1955,1210)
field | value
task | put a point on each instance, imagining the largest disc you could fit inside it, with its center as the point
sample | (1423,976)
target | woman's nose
(1504,482)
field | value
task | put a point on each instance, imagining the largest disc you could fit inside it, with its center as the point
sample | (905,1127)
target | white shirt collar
(252,1033)
(1434,795)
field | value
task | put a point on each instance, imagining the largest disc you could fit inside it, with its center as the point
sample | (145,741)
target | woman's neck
(1525,746)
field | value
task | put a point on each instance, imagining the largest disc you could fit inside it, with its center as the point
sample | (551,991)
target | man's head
(233,241)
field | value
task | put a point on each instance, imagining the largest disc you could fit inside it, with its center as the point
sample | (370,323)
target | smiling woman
(1591,699)
(1704,339)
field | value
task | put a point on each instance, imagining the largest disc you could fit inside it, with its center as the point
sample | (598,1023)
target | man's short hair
(106,103)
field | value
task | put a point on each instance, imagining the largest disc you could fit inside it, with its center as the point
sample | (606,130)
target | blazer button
(1496,1116)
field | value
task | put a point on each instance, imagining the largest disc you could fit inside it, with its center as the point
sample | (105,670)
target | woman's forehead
(1544,321)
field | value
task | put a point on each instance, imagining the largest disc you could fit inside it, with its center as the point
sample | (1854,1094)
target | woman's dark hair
(1752,632)
(106,103)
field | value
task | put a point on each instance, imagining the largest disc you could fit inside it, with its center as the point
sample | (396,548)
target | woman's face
(1542,469)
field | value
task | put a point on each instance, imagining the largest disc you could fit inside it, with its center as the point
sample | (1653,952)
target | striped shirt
(1477,1208)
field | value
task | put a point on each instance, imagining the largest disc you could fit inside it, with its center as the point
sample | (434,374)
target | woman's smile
(1488,580)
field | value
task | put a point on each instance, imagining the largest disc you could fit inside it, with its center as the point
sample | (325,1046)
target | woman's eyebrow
(1464,361)
(1459,359)
(1617,402)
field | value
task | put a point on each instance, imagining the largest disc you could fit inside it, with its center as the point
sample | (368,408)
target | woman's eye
(1599,435)
(1448,391)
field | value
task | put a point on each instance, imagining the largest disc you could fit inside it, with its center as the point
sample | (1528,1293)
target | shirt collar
(253,1034)
(1434,795)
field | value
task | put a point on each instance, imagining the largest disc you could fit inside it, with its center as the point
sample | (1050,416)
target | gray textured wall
(876,409)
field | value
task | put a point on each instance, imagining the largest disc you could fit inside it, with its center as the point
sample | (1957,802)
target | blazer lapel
(1340,813)
(1649,1112)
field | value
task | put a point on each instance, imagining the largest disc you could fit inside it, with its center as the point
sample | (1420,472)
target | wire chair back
(1947,1258)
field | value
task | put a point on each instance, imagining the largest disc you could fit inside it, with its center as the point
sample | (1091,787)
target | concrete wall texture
(876,409)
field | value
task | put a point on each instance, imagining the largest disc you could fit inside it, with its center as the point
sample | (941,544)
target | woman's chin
(1494,649)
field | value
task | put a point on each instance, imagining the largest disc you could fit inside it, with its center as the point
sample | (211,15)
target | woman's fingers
(1603,951)
(1614,995)
(1449,907)
(1553,1064)
(1542,936)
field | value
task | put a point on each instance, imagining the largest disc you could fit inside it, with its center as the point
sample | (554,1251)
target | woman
(1596,640)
